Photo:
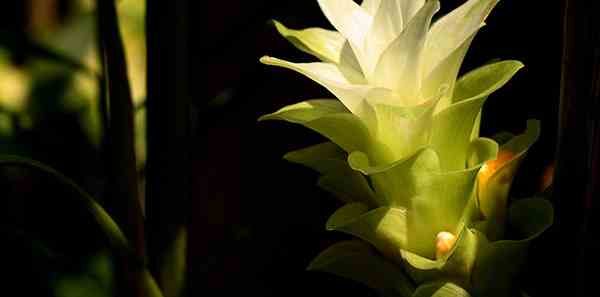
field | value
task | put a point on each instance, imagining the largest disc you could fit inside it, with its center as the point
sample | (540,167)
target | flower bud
(490,167)
(443,243)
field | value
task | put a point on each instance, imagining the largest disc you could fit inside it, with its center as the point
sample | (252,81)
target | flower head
(405,153)
(387,64)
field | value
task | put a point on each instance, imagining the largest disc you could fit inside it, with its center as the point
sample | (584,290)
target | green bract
(404,152)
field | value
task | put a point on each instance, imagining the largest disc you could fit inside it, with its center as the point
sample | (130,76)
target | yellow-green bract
(405,152)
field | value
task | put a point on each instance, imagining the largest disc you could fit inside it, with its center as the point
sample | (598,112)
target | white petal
(399,67)
(329,76)
(328,46)
(410,8)
(387,25)
(350,66)
(351,20)
(445,73)
(370,6)
(348,18)
(453,29)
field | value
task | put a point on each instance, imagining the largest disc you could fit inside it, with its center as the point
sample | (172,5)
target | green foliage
(356,260)
(405,155)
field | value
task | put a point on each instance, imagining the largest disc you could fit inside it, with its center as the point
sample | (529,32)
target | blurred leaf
(32,48)
(96,281)
(440,289)
(105,222)
(173,269)
(108,226)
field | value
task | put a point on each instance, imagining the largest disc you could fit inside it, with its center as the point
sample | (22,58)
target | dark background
(256,221)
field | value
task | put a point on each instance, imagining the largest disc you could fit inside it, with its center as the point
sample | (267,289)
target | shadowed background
(255,221)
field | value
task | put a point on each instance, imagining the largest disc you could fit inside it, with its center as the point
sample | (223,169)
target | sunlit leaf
(399,131)
(458,263)
(435,200)
(356,260)
(329,118)
(324,44)
(383,227)
(453,127)
(495,179)
(338,178)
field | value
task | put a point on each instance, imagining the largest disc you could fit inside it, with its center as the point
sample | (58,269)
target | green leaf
(453,126)
(531,217)
(476,126)
(324,44)
(356,260)
(384,227)
(458,263)
(440,289)
(338,178)
(435,201)
(495,186)
(397,182)
(329,118)
(481,150)
(346,215)
(349,186)
(325,157)
(399,130)
(498,263)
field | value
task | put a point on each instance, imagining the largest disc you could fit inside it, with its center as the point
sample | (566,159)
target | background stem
(122,195)
(168,138)
(577,177)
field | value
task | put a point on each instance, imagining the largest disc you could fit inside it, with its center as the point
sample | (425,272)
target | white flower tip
(266,60)
(443,243)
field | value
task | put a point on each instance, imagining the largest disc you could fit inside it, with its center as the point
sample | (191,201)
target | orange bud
(444,242)
(547,177)
(490,167)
